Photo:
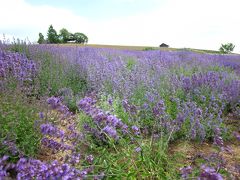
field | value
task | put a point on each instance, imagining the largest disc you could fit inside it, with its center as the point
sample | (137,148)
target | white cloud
(18,16)
(187,23)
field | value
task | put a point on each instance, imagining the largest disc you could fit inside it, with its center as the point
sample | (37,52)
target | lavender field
(69,112)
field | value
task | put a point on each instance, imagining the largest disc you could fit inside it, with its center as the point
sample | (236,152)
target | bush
(148,48)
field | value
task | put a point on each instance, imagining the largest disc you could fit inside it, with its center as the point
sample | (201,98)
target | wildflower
(110,131)
(41,115)
(49,129)
(90,159)
(138,149)
(209,173)
(136,130)
(237,135)
(186,171)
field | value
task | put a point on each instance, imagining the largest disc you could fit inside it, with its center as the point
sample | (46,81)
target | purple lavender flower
(145,106)
(125,129)
(41,115)
(113,120)
(186,171)
(209,173)
(103,120)
(186,83)
(54,145)
(110,101)
(135,130)
(138,149)
(110,131)
(198,112)
(218,140)
(12,147)
(237,135)
(159,109)
(74,159)
(31,168)
(217,131)
(203,98)
(90,159)
(54,102)
(130,108)
(49,129)
(3,167)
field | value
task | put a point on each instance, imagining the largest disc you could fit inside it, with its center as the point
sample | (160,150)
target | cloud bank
(187,23)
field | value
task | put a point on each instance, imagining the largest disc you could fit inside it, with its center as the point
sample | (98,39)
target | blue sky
(203,24)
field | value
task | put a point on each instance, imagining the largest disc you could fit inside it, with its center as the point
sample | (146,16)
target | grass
(17,117)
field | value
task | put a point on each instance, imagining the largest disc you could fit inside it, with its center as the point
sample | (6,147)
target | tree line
(64,36)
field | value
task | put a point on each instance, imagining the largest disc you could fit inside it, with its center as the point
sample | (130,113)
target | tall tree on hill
(226,48)
(64,35)
(41,39)
(52,35)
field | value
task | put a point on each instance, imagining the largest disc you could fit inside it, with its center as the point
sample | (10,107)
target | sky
(202,24)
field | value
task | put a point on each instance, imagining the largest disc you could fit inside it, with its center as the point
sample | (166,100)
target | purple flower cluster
(138,149)
(202,86)
(32,168)
(5,167)
(206,173)
(237,135)
(49,129)
(90,159)
(159,109)
(185,171)
(218,140)
(54,139)
(104,122)
(111,131)
(73,159)
(55,103)
(200,118)
(135,130)
(191,72)
(54,145)
(11,146)
(130,108)
(217,82)
(16,65)
(209,173)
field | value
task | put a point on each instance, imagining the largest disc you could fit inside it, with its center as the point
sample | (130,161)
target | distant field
(113,46)
(140,48)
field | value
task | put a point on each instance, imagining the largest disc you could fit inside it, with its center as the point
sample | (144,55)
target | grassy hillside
(140,48)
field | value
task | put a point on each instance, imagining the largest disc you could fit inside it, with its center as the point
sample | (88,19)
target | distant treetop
(64,36)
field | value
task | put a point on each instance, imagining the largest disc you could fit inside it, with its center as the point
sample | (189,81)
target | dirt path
(195,154)
(65,124)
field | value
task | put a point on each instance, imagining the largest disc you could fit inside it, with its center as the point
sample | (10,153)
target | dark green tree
(226,48)
(52,35)
(64,35)
(80,38)
(41,39)
(71,37)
